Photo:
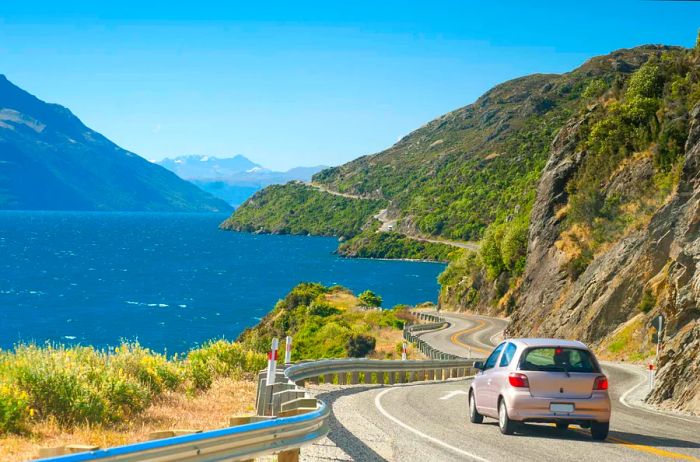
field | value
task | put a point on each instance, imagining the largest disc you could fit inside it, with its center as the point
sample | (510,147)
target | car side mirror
(479,365)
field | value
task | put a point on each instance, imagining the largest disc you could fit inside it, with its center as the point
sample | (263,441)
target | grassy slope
(55,395)
(455,176)
(321,319)
(295,208)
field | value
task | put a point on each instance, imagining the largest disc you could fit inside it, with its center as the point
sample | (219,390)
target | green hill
(452,178)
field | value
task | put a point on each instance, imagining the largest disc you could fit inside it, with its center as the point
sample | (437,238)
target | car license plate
(561,407)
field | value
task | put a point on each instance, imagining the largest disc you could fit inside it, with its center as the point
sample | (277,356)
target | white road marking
(378,404)
(454,393)
(644,381)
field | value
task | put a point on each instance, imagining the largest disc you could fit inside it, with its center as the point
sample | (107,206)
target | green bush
(75,384)
(223,359)
(369,298)
(319,308)
(15,409)
(647,302)
(595,88)
(647,81)
(150,368)
(84,385)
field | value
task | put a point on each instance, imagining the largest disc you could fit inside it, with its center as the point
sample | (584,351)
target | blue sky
(301,83)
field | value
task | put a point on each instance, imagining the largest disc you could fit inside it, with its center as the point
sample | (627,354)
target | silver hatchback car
(541,380)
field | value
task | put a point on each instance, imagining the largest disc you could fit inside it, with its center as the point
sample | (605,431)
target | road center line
(455,337)
(378,404)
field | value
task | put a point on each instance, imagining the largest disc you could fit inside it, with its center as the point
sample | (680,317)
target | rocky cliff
(651,271)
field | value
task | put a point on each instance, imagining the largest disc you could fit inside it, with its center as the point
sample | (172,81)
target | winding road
(428,421)
(388,224)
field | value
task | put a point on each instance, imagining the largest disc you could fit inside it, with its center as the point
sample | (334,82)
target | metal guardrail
(411,333)
(294,417)
(234,443)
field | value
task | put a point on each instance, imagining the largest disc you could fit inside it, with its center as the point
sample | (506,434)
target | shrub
(595,88)
(647,81)
(319,308)
(150,368)
(222,359)
(360,345)
(76,384)
(85,385)
(369,298)
(14,409)
(647,302)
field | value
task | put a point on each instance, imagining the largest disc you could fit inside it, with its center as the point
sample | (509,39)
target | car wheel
(474,416)
(599,430)
(506,425)
(562,426)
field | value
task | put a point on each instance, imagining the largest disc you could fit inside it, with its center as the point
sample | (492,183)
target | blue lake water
(170,281)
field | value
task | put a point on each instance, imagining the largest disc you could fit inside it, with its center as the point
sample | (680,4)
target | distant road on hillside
(389,224)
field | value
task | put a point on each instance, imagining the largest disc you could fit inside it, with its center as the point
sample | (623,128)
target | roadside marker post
(403,352)
(272,363)
(658,324)
(288,350)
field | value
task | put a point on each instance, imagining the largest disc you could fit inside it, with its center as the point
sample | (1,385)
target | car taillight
(518,380)
(600,383)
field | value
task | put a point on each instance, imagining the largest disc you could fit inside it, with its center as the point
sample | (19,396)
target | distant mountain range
(233,179)
(49,160)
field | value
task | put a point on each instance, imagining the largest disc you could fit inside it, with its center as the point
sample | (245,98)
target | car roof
(547,342)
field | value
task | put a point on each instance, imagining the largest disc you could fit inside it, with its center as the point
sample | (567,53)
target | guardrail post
(402,376)
(342,378)
(354,378)
(291,455)
(391,377)
(328,378)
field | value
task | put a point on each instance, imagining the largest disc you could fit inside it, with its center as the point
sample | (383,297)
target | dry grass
(572,240)
(342,300)
(387,340)
(206,411)
(629,342)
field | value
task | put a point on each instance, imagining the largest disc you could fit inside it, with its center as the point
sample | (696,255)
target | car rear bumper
(523,407)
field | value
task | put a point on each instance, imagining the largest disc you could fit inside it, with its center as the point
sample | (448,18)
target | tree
(369,298)
(360,345)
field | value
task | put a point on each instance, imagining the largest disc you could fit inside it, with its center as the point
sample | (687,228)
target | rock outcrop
(660,259)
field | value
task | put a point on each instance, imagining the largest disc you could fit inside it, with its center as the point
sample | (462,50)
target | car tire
(474,416)
(562,427)
(506,425)
(599,430)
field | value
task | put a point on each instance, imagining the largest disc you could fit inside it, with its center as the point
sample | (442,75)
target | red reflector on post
(600,383)
(518,380)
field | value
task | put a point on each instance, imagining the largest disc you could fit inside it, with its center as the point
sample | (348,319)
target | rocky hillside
(583,190)
(465,171)
(614,238)
(49,160)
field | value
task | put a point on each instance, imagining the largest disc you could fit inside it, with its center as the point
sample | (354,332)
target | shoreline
(338,238)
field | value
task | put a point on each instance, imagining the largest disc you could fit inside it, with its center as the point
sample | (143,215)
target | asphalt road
(429,421)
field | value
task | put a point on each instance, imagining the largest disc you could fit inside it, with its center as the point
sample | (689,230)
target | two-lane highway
(466,334)
(429,421)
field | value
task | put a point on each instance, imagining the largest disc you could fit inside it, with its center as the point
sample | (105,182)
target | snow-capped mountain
(233,179)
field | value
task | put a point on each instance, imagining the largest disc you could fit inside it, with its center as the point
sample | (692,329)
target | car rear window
(558,359)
